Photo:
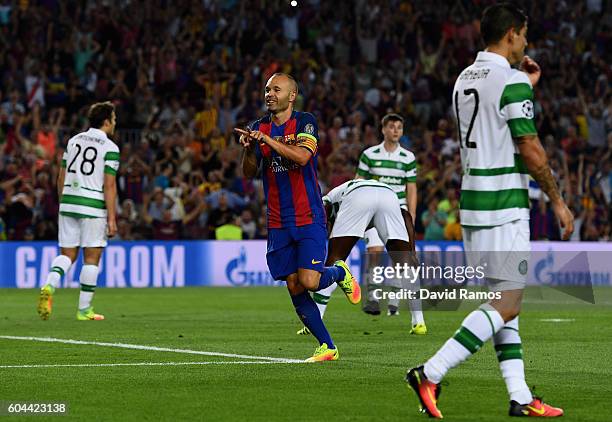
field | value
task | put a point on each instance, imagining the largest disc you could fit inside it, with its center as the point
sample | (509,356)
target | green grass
(568,362)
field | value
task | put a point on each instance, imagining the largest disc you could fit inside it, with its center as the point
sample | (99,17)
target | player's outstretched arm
(534,157)
(110,198)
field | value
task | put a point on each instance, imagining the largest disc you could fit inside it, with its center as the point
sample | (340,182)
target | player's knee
(507,311)
(310,281)
(294,287)
(71,253)
(511,313)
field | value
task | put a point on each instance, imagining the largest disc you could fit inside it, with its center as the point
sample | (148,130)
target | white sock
(509,351)
(416,309)
(478,327)
(88,279)
(59,266)
(417,316)
(321,297)
(394,301)
(371,297)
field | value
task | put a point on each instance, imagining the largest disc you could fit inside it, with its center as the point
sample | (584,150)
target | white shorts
(83,232)
(367,207)
(505,249)
(372,239)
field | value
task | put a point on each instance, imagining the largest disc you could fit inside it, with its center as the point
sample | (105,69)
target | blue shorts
(296,247)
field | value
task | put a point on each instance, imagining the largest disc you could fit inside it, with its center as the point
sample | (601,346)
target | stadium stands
(182,77)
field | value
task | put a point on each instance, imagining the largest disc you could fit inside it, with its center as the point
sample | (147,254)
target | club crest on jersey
(523,267)
(527,108)
(287,139)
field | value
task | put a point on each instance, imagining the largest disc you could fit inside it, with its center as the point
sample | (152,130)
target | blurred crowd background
(184,73)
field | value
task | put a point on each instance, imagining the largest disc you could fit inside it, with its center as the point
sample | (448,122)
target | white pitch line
(96,365)
(558,319)
(151,348)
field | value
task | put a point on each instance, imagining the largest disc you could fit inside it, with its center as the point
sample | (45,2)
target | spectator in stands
(229,231)
(434,221)
(168,227)
(247,224)
(221,214)
(183,76)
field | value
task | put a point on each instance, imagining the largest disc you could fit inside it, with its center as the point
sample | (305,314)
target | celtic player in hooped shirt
(493,104)
(88,193)
(284,144)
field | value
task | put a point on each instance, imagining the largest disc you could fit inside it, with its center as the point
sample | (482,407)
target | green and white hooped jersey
(493,104)
(89,155)
(392,168)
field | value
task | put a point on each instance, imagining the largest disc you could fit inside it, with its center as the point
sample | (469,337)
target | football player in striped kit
(493,103)
(88,194)
(390,163)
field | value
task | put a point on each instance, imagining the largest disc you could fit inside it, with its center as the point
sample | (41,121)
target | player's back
(493,104)
(89,155)
(337,194)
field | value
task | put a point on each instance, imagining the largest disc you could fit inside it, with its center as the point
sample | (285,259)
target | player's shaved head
(286,77)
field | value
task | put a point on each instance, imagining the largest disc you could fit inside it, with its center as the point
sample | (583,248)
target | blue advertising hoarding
(243,263)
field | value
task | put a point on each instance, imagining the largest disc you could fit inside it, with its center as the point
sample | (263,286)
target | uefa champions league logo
(527,108)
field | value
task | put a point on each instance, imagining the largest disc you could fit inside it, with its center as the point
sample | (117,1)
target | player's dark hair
(391,117)
(498,19)
(99,112)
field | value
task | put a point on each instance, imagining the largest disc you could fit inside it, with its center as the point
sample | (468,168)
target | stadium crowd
(182,74)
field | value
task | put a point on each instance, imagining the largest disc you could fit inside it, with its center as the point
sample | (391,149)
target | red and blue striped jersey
(292,191)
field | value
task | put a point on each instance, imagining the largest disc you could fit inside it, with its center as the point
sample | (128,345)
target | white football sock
(59,266)
(478,327)
(88,279)
(416,309)
(321,297)
(509,351)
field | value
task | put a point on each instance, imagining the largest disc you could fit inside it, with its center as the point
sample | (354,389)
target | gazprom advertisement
(243,263)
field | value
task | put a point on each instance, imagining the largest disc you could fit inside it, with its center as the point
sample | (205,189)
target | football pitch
(232,354)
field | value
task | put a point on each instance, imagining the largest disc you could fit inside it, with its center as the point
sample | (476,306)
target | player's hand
(532,69)
(565,218)
(260,137)
(112,227)
(245,137)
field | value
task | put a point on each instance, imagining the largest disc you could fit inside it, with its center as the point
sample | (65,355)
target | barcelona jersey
(292,191)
